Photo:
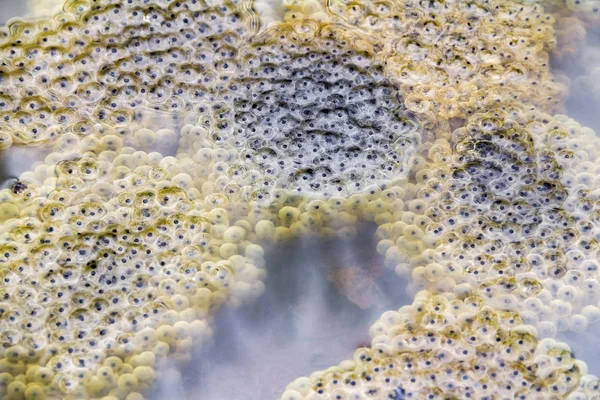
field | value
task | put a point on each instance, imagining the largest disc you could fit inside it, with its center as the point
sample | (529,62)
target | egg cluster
(299,149)
(313,118)
(318,117)
(428,118)
(112,263)
(510,217)
(105,63)
(440,348)
(453,58)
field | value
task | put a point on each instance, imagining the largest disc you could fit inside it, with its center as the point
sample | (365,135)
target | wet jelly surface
(186,147)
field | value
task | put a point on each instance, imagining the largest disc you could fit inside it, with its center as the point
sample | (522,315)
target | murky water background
(302,323)
(11,8)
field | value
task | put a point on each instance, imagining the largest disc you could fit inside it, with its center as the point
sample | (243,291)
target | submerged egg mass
(428,118)
(110,264)
(437,348)
(107,63)
(319,117)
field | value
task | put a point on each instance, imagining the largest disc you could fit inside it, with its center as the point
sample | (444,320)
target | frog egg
(166,137)
(383,246)
(546,313)
(300,385)
(113,362)
(144,138)
(166,334)
(281,234)
(545,296)
(383,218)
(234,234)
(591,313)
(561,308)
(5,140)
(161,349)
(569,294)
(228,250)
(434,272)
(8,211)
(34,391)
(134,396)
(578,323)
(144,374)
(288,215)
(16,391)
(419,274)
(413,232)
(43,375)
(254,252)
(291,395)
(96,385)
(337,203)
(183,181)
(5,379)
(533,304)
(547,329)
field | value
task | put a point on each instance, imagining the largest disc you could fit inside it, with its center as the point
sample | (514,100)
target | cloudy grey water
(11,8)
(300,325)
(584,101)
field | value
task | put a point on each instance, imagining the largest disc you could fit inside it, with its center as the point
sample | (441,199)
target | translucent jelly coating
(110,266)
(116,64)
(439,348)
(479,195)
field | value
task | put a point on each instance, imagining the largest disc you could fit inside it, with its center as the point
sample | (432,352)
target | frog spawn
(507,217)
(320,116)
(440,348)
(493,52)
(105,64)
(405,200)
(128,267)
(302,131)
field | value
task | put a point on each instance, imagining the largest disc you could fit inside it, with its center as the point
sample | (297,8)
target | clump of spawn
(454,58)
(509,217)
(409,206)
(509,241)
(482,212)
(548,269)
(114,63)
(445,348)
(310,115)
(302,149)
(320,117)
(113,264)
